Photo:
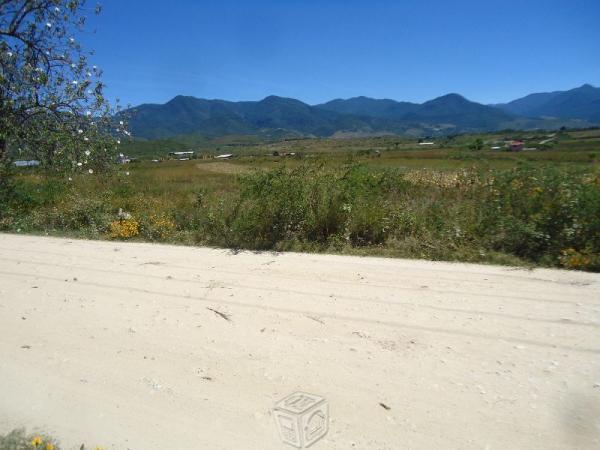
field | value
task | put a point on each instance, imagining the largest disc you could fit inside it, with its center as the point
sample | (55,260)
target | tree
(477,145)
(52,106)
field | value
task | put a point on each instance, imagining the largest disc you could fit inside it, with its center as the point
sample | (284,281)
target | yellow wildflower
(125,228)
(161,226)
(49,446)
(572,259)
(36,441)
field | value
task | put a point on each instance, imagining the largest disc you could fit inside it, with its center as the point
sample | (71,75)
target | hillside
(276,117)
(452,110)
(579,103)
(189,115)
(458,111)
(371,107)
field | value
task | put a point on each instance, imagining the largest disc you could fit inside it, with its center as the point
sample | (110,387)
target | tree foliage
(52,106)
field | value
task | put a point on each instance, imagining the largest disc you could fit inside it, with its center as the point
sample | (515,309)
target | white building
(181,156)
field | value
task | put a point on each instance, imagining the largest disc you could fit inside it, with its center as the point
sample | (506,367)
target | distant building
(181,156)
(426,143)
(29,163)
(225,156)
(516,146)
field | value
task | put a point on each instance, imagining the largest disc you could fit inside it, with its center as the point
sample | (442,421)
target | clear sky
(414,50)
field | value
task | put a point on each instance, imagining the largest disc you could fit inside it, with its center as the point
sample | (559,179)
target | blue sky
(487,50)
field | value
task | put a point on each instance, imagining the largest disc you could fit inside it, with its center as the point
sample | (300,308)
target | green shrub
(309,204)
(534,214)
(538,213)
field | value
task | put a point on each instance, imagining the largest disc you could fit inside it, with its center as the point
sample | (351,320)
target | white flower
(48,24)
(86,139)
(75,82)
(9,54)
(118,141)
(88,113)
(90,171)
(121,122)
(87,153)
(56,9)
(70,179)
(94,67)
(79,164)
(73,65)
(127,173)
(89,74)
(80,131)
(71,40)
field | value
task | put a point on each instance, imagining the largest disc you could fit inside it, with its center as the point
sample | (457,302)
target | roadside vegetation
(21,440)
(529,213)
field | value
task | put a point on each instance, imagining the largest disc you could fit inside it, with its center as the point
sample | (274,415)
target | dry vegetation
(448,203)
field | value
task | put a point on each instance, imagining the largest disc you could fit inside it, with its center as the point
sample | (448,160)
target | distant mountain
(279,117)
(460,112)
(452,109)
(579,103)
(186,115)
(365,106)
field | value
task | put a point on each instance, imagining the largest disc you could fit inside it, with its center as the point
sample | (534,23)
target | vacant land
(121,345)
(455,200)
(579,145)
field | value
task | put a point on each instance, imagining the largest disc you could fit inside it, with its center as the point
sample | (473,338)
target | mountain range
(579,103)
(278,116)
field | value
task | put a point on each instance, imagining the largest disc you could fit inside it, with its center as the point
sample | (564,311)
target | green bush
(309,204)
(535,214)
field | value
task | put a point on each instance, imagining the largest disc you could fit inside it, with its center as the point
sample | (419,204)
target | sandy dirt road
(113,344)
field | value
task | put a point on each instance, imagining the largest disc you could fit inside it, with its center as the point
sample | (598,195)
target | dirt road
(149,347)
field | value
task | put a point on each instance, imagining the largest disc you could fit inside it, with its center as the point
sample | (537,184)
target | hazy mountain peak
(452,97)
(582,102)
(277,98)
(275,115)
(181,98)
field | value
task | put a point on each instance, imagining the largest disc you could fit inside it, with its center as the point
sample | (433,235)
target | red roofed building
(516,146)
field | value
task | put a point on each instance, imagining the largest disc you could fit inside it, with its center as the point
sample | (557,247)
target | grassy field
(370,196)
(566,141)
